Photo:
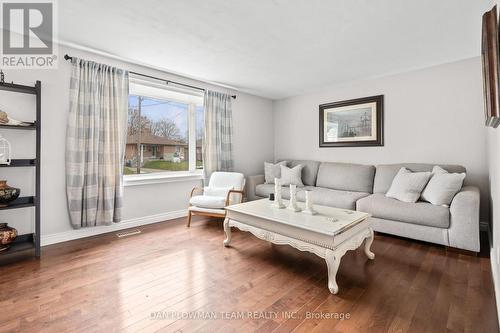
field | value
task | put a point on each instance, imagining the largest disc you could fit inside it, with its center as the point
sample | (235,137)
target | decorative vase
(7,236)
(278,201)
(7,193)
(309,204)
(293,199)
(5,151)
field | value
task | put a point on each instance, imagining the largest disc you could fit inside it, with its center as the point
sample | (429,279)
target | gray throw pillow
(291,176)
(442,187)
(272,171)
(407,185)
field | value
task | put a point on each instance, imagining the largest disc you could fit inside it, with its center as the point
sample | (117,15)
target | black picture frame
(378,122)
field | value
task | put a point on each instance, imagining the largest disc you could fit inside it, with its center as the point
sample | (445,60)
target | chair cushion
(346,177)
(333,198)
(206,201)
(422,213)
(235,180)
(216,191)
(386,172)
(195,209)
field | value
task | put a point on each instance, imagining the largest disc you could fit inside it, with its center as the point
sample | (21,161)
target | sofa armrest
(464,219)
(252,182)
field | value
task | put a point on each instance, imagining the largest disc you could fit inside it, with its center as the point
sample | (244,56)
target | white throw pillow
(407,185)
(442,187)
(291,176)
(216,191)
(272,171)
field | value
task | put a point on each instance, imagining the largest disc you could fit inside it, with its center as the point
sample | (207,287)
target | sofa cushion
(333,198)
(385,173)
(309,171)
(346,177)
(263,190)
(422,213)
(321,196)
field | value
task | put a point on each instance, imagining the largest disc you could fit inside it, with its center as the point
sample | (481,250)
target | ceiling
(277,48)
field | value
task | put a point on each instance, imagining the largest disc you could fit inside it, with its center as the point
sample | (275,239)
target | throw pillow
(291,176)
(407,185)
(272,171)
(442,187)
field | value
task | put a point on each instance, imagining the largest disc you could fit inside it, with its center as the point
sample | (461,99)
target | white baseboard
(494,271)
(87,232)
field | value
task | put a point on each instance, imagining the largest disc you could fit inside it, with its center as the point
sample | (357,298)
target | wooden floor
(154,281)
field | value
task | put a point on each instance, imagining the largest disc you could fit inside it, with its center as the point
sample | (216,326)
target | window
(165,130)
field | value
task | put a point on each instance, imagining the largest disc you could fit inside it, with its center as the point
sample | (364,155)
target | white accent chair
(224,189)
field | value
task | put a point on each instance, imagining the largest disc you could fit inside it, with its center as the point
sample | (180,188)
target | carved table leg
(227,231)
(368,244)
(332,262)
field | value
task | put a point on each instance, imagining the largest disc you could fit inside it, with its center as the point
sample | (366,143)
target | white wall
(432,115)
(252,145)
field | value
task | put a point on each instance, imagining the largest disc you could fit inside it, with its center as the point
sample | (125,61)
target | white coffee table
(329,234)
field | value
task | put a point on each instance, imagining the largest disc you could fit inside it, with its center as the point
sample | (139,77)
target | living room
(249,166)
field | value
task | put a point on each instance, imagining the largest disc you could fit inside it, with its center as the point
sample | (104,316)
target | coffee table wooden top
(329,221)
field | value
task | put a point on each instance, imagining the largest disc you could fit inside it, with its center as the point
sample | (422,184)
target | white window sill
(158,178)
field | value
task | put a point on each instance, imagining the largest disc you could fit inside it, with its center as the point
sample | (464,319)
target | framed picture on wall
(490,58)
(352,123)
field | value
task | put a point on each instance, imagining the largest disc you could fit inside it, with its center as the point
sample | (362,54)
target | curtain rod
(67,57)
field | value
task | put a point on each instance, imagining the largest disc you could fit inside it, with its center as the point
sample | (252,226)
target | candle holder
(293,199)
(309,204)
(278,201)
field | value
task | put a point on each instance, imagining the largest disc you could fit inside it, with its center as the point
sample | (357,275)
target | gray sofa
(363,188)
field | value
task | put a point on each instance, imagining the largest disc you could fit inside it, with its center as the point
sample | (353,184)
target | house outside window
(165,129)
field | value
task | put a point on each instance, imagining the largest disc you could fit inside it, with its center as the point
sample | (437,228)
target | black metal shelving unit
(27,242)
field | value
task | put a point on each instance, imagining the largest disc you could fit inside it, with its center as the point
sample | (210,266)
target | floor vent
(127,233)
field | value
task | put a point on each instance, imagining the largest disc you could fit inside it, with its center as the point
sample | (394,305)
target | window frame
(194,99)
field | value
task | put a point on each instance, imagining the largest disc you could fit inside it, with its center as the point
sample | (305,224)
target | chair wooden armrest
(234,191)
(194,189)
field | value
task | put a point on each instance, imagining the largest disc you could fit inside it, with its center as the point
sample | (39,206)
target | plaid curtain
(95,143)
(217,143)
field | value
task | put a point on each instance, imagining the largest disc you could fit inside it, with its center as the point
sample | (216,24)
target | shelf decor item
(4,151)
(293,199)
(7,193)
(278,201)
(309,204)
(7,236)
(6,120)
(352,123)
